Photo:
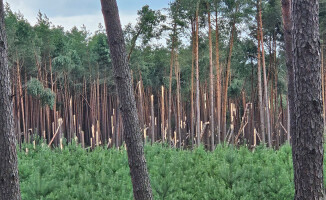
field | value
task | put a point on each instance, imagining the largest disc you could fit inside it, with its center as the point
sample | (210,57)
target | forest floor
(227,173)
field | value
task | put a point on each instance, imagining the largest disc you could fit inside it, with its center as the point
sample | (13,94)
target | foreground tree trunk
(133,138)
(307,139)
(9,181)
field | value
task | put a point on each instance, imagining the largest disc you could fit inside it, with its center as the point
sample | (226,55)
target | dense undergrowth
(227,173)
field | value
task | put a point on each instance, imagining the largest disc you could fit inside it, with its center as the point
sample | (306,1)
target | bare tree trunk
(170,86)
(135,150)
(268,122)
(307,139)
(197,83)
(218,81)
(211,91)
(177,76)
(260,90)
(287,23)
(192,114)
(163,116)
(9,180)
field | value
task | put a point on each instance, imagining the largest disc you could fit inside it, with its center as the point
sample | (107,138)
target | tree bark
(133,138)
(307,139)
(268,122)
(9,180)
(287,24)
(197,82)
(218,81)
(170,86)
(211,91)
(192,109)
(260,91)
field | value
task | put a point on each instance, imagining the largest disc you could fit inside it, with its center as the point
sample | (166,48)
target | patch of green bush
(227,173)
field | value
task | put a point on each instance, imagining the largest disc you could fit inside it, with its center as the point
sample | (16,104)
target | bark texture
(307,139)
(133,138)
(9,181)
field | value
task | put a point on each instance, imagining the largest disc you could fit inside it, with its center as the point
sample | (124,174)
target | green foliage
(227,173)
(35,89)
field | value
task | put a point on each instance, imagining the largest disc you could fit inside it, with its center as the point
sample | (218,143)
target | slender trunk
(177,75)
(218,81)
(268,122)
(9,180)
(211,91)
(307,139)
(170,86)
(260,90)
(163,116)
(287,23)
(197,83)
(192,115)
(152,121)
(135,149)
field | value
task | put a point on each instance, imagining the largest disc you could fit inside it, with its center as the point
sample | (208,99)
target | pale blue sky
(69,13)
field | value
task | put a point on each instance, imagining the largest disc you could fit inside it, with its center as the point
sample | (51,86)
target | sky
(70,13)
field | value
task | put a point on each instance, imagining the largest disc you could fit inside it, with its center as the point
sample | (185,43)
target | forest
(224,98)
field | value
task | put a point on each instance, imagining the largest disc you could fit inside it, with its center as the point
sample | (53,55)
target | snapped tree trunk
(133,138)
(9,181)
(307,139)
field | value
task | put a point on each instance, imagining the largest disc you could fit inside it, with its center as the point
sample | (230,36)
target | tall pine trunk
(197,82)
(133,138)
(307,139)
(268,122)
(9,181)
(170,87)
(218,80)
(260,90)
(287,23)
(211,91)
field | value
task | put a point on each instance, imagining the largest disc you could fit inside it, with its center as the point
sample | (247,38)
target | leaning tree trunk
(9,181)
(287,23)
(307,139)
(133,138)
